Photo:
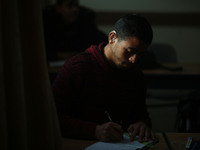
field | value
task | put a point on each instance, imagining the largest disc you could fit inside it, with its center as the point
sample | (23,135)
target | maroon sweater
(86,86)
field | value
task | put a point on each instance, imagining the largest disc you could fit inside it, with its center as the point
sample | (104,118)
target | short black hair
(134,25)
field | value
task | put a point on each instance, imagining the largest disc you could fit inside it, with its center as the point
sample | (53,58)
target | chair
(157,55)
(164,53)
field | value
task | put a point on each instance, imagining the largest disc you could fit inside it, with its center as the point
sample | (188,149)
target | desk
(71,144)
(187,78)
(178,141)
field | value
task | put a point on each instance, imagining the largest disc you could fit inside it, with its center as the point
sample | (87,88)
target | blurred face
(124,53)
(69,10)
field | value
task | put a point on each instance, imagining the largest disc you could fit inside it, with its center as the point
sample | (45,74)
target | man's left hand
(142,129)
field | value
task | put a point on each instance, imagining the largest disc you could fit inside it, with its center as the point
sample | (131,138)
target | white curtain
(28,119)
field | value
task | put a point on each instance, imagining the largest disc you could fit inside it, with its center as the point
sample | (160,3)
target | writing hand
(141,129)
(109,132)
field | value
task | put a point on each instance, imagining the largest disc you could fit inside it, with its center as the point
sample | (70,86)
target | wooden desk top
(72,144)
(178,140)
(188,69)
(162,145)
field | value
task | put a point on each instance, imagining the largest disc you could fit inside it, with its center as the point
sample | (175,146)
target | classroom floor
(162,107)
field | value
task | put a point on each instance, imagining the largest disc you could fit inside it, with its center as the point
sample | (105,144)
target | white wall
(144,5)
(185,40)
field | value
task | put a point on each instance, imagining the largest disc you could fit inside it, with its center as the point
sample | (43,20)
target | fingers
(113,132)
(132,132)
(109,132)
(153,136)
(146,135)
(114,135)
(142,130)
(142,135)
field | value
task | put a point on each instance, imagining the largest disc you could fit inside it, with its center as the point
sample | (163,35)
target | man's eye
(130,51)
(127,50)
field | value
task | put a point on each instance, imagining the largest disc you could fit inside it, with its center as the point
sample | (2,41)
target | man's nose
(132,59)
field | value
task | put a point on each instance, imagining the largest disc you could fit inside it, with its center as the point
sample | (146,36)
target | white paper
(125,144)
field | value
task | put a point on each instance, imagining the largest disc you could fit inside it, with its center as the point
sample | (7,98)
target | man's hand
(109,132)
(141,129)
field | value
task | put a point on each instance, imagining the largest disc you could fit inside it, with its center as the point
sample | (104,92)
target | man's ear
(112,37)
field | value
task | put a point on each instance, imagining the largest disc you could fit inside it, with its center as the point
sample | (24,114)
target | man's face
(126,52)
(69,10)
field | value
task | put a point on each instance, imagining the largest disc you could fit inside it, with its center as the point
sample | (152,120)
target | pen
(108,116)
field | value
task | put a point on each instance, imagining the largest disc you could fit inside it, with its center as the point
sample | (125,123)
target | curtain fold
(28,117)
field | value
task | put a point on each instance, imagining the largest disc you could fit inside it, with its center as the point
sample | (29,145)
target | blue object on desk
(189,141)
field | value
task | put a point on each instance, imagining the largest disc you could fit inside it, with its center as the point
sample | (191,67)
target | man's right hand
(109,132)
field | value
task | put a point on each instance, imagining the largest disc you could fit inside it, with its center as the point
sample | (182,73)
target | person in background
(69,27)
(101,93)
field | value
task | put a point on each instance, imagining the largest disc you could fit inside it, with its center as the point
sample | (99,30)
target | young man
(101,92)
